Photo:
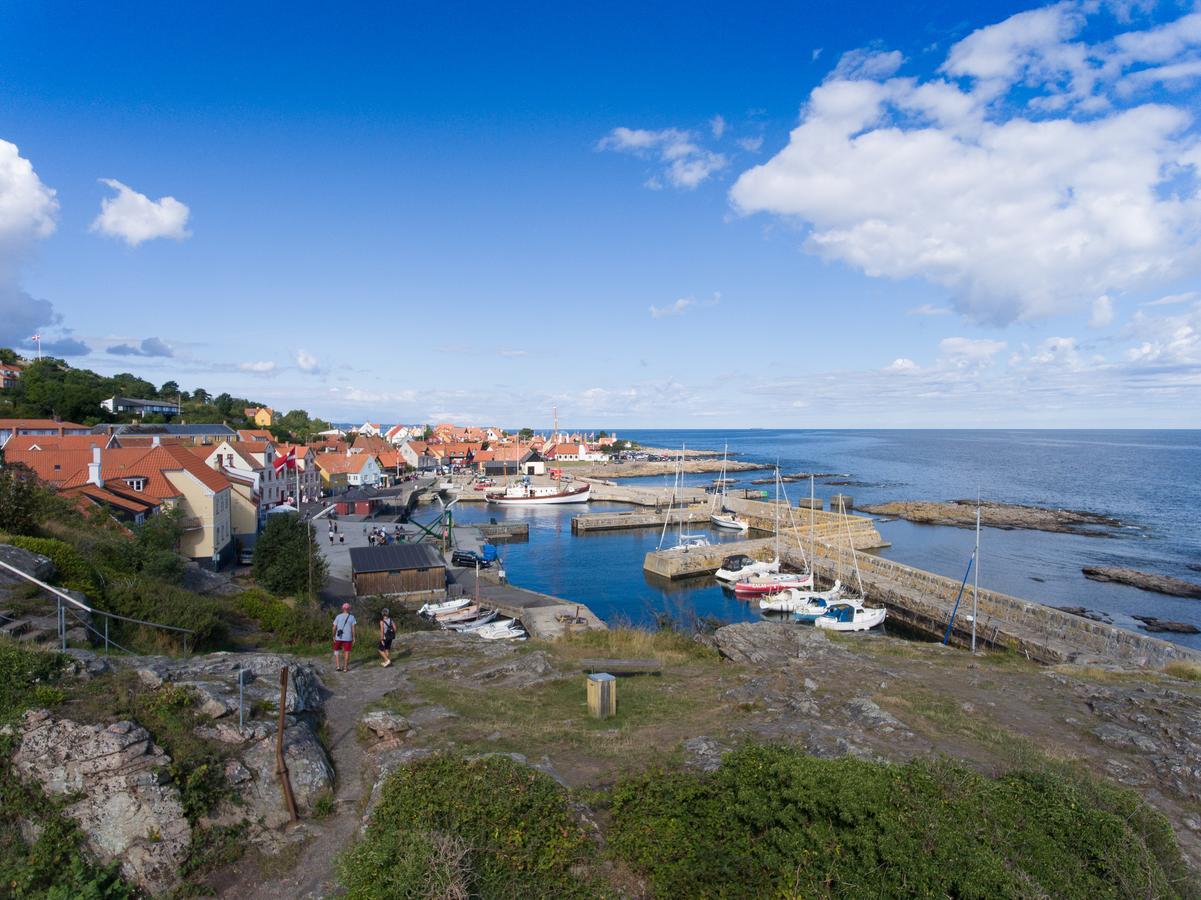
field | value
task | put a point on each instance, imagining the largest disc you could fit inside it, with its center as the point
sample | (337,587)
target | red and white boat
(523,494)
(771,583)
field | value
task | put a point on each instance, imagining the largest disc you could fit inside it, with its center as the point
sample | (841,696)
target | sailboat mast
(812,545)
(777,510)
(976,582)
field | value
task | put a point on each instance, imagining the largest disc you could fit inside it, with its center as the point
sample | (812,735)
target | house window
(137,484)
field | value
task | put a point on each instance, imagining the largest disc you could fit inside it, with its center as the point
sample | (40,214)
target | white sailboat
(794,600)
(849,613)
(683,541)
(740,566)
(720,516)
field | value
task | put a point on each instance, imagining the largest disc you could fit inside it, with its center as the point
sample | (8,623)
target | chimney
(154,442)
(94,469)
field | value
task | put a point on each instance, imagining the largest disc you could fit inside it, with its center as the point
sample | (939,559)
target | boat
(742,566)
(523,493)
(457,615)
(684,541)
(760,585)
(725,518)
(847,617)
(470,625)
(505,629)
(432,609)
(794,599)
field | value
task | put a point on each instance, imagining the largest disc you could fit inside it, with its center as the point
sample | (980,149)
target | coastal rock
(308,767)
(962,514)
(867,712)
(1085,613)
(40,567)
(522,671)
(703,753)
(767,643)
(1147,581)
(126,812)
(385,725)
(1151,623)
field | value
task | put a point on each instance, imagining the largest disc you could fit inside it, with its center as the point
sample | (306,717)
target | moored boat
(469,625)
(457,615)
(742,566)
(759,585)
(845,617)
(729,521)
(793,599)
(526,494)
(432,609)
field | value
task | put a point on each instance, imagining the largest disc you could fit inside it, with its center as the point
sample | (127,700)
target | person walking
(343,638)
(387,634)
(341,538)
(331,535)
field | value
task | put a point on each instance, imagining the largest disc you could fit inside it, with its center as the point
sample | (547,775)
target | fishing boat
(720,516)
(432,609)
(469,625)
(847,617)
(742,566)
(523,493)
(761,585)
(793,599)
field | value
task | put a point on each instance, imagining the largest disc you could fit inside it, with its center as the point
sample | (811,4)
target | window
(137,484)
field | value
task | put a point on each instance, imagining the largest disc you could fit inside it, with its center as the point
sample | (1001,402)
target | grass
(668,646)
(1184,670)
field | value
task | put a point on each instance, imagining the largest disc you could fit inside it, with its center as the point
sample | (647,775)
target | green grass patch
(669,646)
(774,822)
(448,827)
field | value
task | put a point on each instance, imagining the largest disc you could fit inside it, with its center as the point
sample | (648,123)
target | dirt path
(312,874)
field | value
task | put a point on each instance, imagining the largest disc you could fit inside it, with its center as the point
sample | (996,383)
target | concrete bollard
(602,695)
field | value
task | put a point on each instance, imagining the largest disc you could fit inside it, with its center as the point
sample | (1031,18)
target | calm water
(1150,480)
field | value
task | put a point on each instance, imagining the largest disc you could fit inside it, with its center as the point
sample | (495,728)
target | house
(342,471)
(171,476)
(305,474)
(359,502)
(371,429)
(533,463)
(391,465)
(398,434)
(25,442)
(197,434)
(260,415)
(369,443)
(9,374)
(417,455)
(255,434)
(504,460)
(397,569)
(41,427)
(257,487)
(121,406)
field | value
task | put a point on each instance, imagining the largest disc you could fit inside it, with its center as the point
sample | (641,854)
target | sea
(1148,480)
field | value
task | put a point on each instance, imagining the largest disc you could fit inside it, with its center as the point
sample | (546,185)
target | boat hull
(578,495)
(729,523)
(864,620)
(774,586)
(759,568)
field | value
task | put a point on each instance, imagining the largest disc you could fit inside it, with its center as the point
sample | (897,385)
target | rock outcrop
(308,768)
(40,567)
(1147,581)
(126,809)
(962,514)
(1153,623)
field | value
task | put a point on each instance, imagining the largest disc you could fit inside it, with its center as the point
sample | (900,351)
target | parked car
(468,559)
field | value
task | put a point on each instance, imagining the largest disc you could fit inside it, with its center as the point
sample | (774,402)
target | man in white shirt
(343,638)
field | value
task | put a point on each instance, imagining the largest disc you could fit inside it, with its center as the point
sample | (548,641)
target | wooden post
(281,767)
(602,695)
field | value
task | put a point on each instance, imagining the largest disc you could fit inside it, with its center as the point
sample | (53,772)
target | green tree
(200,395)
(169,390)
(285,554)
(427,434)
(8,356)
(525,434)
(18,499)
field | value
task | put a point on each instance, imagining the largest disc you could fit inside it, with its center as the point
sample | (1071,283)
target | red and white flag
(285,462)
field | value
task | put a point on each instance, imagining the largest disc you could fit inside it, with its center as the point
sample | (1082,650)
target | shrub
(772,822)
(285,554)
(74,572)
(140,597)
(18,499)
(446,826)
(301,622)
(23,673)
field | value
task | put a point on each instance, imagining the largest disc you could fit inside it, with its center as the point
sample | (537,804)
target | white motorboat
(457,615)
(742,566)
(792,599)
(729,521)
(501,630)
(846,617)
(432,609)
(471,625)
(690,541)
(525,494)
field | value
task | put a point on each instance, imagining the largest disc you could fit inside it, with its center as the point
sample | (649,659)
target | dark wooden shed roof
(394,558)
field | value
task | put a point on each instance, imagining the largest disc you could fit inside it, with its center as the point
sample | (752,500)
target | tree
(427,434)
(200,395)
(18,499)
(602,434)
(284,555)
(8,356)
(525,434)
(157,543)
(169,390)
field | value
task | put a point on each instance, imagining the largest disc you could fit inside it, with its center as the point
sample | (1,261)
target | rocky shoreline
(1009,516)
(1147,581)
(643,469)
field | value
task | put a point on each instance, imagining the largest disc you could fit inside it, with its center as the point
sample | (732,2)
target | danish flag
(285,462)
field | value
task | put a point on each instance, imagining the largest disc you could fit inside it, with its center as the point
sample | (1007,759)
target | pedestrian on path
(331,535)
(343,638)
(387,634)
(341,538)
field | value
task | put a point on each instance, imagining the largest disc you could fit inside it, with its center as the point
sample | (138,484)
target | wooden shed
(397,569)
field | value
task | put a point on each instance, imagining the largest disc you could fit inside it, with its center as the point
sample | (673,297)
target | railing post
(106,635)
(62,625)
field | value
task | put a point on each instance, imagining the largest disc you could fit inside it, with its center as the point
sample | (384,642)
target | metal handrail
(62,596)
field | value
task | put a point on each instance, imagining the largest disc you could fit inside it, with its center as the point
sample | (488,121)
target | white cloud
(1167,340)
(718,126)
(928,309)
(307,362)
(902,365)
(1017,180)
(513,354)
(1102,313)
(150,346)
(674,309)
(28,210)
(970,351)
(866,64)
(136,218)
(750,144)
(685,164)
(1174,299)
(262,367)
(816,53)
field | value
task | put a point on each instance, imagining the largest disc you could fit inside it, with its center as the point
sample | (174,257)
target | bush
(292,624)
(74,572)
(23,671)
(139,597)
(285,553)
(19,499)
(446,826)
(774,822)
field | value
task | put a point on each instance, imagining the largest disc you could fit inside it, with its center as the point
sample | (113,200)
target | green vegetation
(52,864)
(72,570)
(287,623)
(449,827)
(287,559)
(18,500)
(775,822)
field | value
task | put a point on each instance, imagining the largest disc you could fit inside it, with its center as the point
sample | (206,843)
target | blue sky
(414,214)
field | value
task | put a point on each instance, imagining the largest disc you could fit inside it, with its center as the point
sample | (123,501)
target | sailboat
(809,604)
(722,517)
(683,541)
(849,613)
(742,566)
(763,583)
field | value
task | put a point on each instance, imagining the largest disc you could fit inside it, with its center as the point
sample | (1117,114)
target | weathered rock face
(128,813)
(962,514)
(521,671)
(1148,581)
(767,643)
(30,563)
(308,767)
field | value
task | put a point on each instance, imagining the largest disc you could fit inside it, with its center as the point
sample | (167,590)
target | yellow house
(260,415)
